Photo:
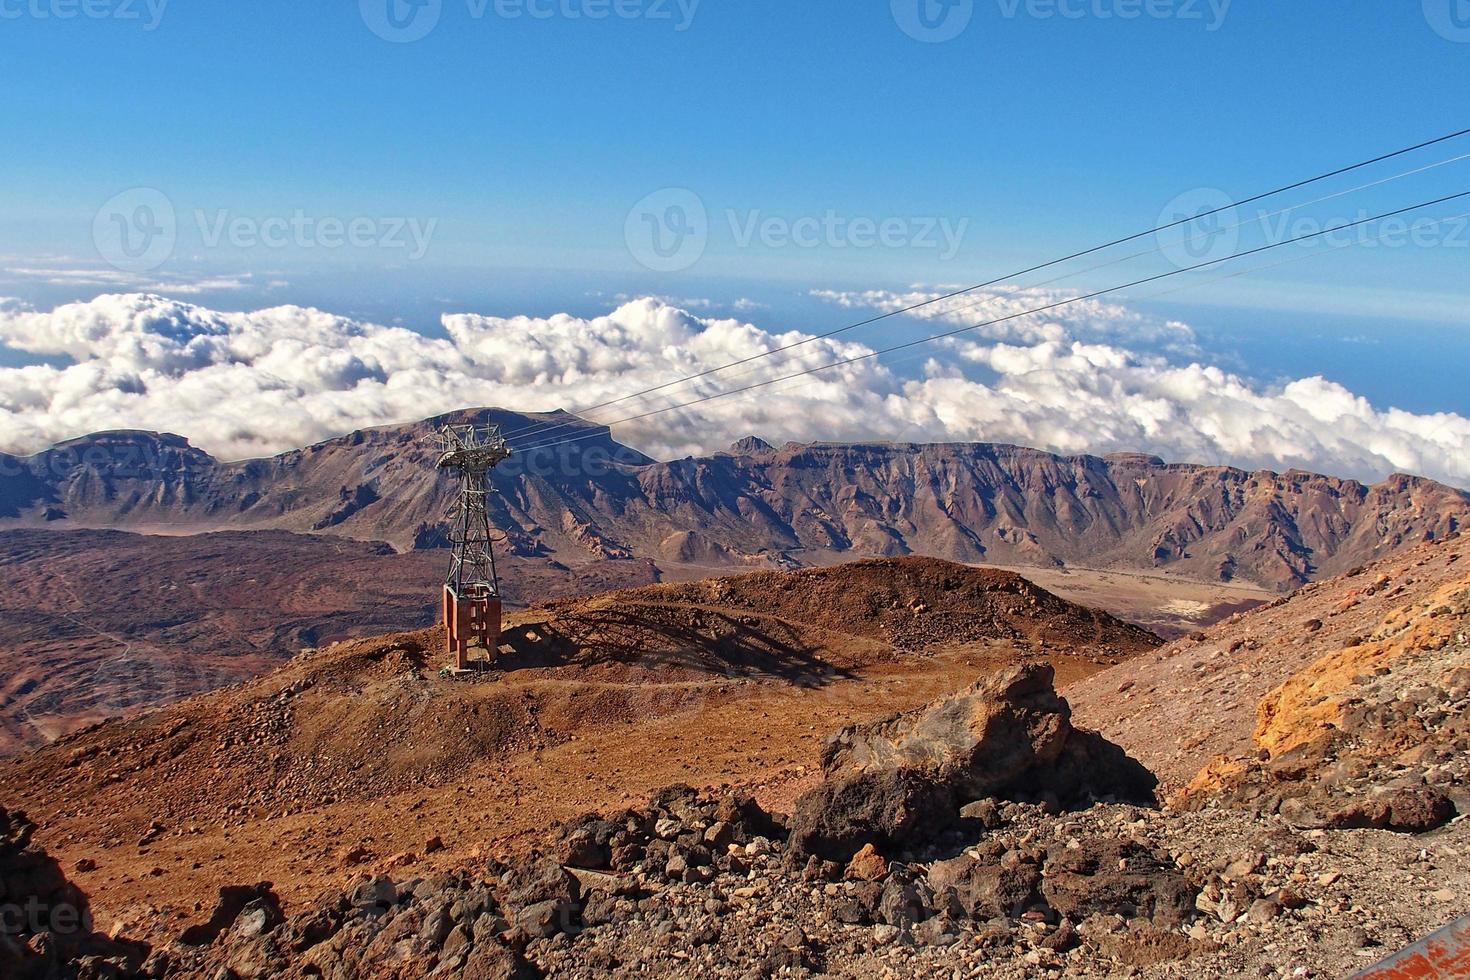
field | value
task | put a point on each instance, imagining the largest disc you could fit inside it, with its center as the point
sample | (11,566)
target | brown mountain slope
(802,505)
(1276,677)
(911,603)
(599,698)
(96,623)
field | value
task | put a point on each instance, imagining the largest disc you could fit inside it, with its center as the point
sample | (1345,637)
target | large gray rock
(897,782)
(885,808)
(1009,734)
(999,887)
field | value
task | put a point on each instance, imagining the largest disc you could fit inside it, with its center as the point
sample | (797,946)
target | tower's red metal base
(471,619)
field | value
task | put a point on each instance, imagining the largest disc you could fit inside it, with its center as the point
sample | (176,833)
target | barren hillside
(755,505)
(98,623)
(1181,706)
(734,680)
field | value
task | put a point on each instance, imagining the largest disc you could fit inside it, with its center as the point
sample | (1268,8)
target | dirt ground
(1169,605)
(352,759)
(1180,706)
(767,742)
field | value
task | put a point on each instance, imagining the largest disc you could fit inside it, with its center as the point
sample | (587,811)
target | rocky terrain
(1374,734)
(100,623)
(587,690)
(45,920)
(241,564)
(1329,660)
(958,857)
(888,785)
(755,505)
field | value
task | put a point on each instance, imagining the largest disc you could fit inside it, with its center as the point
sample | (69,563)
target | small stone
(719,835)
(867,865)
(1243,867)
(984,812)
(760,847)
(1290,899)
(433,845)
(1443,895)
(542,920)
(884,934)
(1263,910)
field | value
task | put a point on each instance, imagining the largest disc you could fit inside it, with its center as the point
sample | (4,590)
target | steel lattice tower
(472,589)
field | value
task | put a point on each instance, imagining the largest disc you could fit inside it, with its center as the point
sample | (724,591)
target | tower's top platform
(472,448)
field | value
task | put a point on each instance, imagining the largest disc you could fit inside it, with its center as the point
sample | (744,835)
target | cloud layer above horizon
(1092,377)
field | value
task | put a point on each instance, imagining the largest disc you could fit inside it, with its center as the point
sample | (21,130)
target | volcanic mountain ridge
(755,505)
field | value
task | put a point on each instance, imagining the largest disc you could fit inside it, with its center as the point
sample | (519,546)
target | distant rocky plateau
(754,506)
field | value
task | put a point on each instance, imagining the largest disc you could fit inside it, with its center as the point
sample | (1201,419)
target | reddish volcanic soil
(96,623)
(1180,706)
(350,758)
(99,623)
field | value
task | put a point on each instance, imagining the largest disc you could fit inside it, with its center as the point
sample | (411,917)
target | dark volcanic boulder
(885,808)
(47,929)
(1413,811)
(897,782)
(233,901)
(1110,876)
(992,886)
(1009,734)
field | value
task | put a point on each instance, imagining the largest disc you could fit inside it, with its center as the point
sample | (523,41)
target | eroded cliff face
(1374,732)
(756,505)
(1369,664)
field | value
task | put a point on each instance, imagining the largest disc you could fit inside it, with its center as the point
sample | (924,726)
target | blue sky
(524,141)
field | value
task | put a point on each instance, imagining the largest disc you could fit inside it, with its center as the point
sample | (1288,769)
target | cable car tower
(472,608)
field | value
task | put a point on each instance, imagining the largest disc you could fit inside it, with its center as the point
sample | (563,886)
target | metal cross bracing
(472,588)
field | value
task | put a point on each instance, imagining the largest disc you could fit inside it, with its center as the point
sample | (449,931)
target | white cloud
(244,384)
(741,304)
(1001,309)
(115,279)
